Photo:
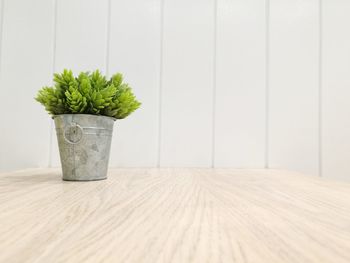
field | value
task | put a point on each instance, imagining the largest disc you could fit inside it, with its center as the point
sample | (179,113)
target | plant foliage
(88,93)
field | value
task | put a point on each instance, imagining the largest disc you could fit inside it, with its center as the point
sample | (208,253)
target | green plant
(89,93)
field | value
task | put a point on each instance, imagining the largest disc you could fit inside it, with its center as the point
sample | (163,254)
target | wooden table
(174,215)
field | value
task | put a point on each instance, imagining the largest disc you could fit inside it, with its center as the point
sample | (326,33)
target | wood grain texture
(174,215)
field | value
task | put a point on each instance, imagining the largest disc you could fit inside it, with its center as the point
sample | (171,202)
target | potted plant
(84,109)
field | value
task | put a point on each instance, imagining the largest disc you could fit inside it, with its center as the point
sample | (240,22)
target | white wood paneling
(294,85)
(135,51)
(1,25)
(187,83)
(240,84)
(81,35)
(336,89)
(26,62)
(185,77)
(174,216)
(1,30)
(81,41)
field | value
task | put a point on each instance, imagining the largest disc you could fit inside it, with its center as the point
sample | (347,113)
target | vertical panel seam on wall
(54,37)
(108,36)
(160,84)
(214,84)
(267,82)
(320,93)
(1,30)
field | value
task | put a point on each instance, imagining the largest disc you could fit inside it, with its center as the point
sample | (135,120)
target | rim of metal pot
(77,114)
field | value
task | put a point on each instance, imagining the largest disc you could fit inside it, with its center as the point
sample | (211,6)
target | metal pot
(84,143)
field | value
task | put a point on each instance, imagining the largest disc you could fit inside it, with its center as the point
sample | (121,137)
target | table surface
(174,215)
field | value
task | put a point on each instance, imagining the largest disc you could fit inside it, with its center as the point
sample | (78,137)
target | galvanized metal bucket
(84,142)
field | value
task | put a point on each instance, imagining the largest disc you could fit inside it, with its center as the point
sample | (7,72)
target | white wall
(224,83)
(335,110)
(240,86)
(294,85)
(25,63)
